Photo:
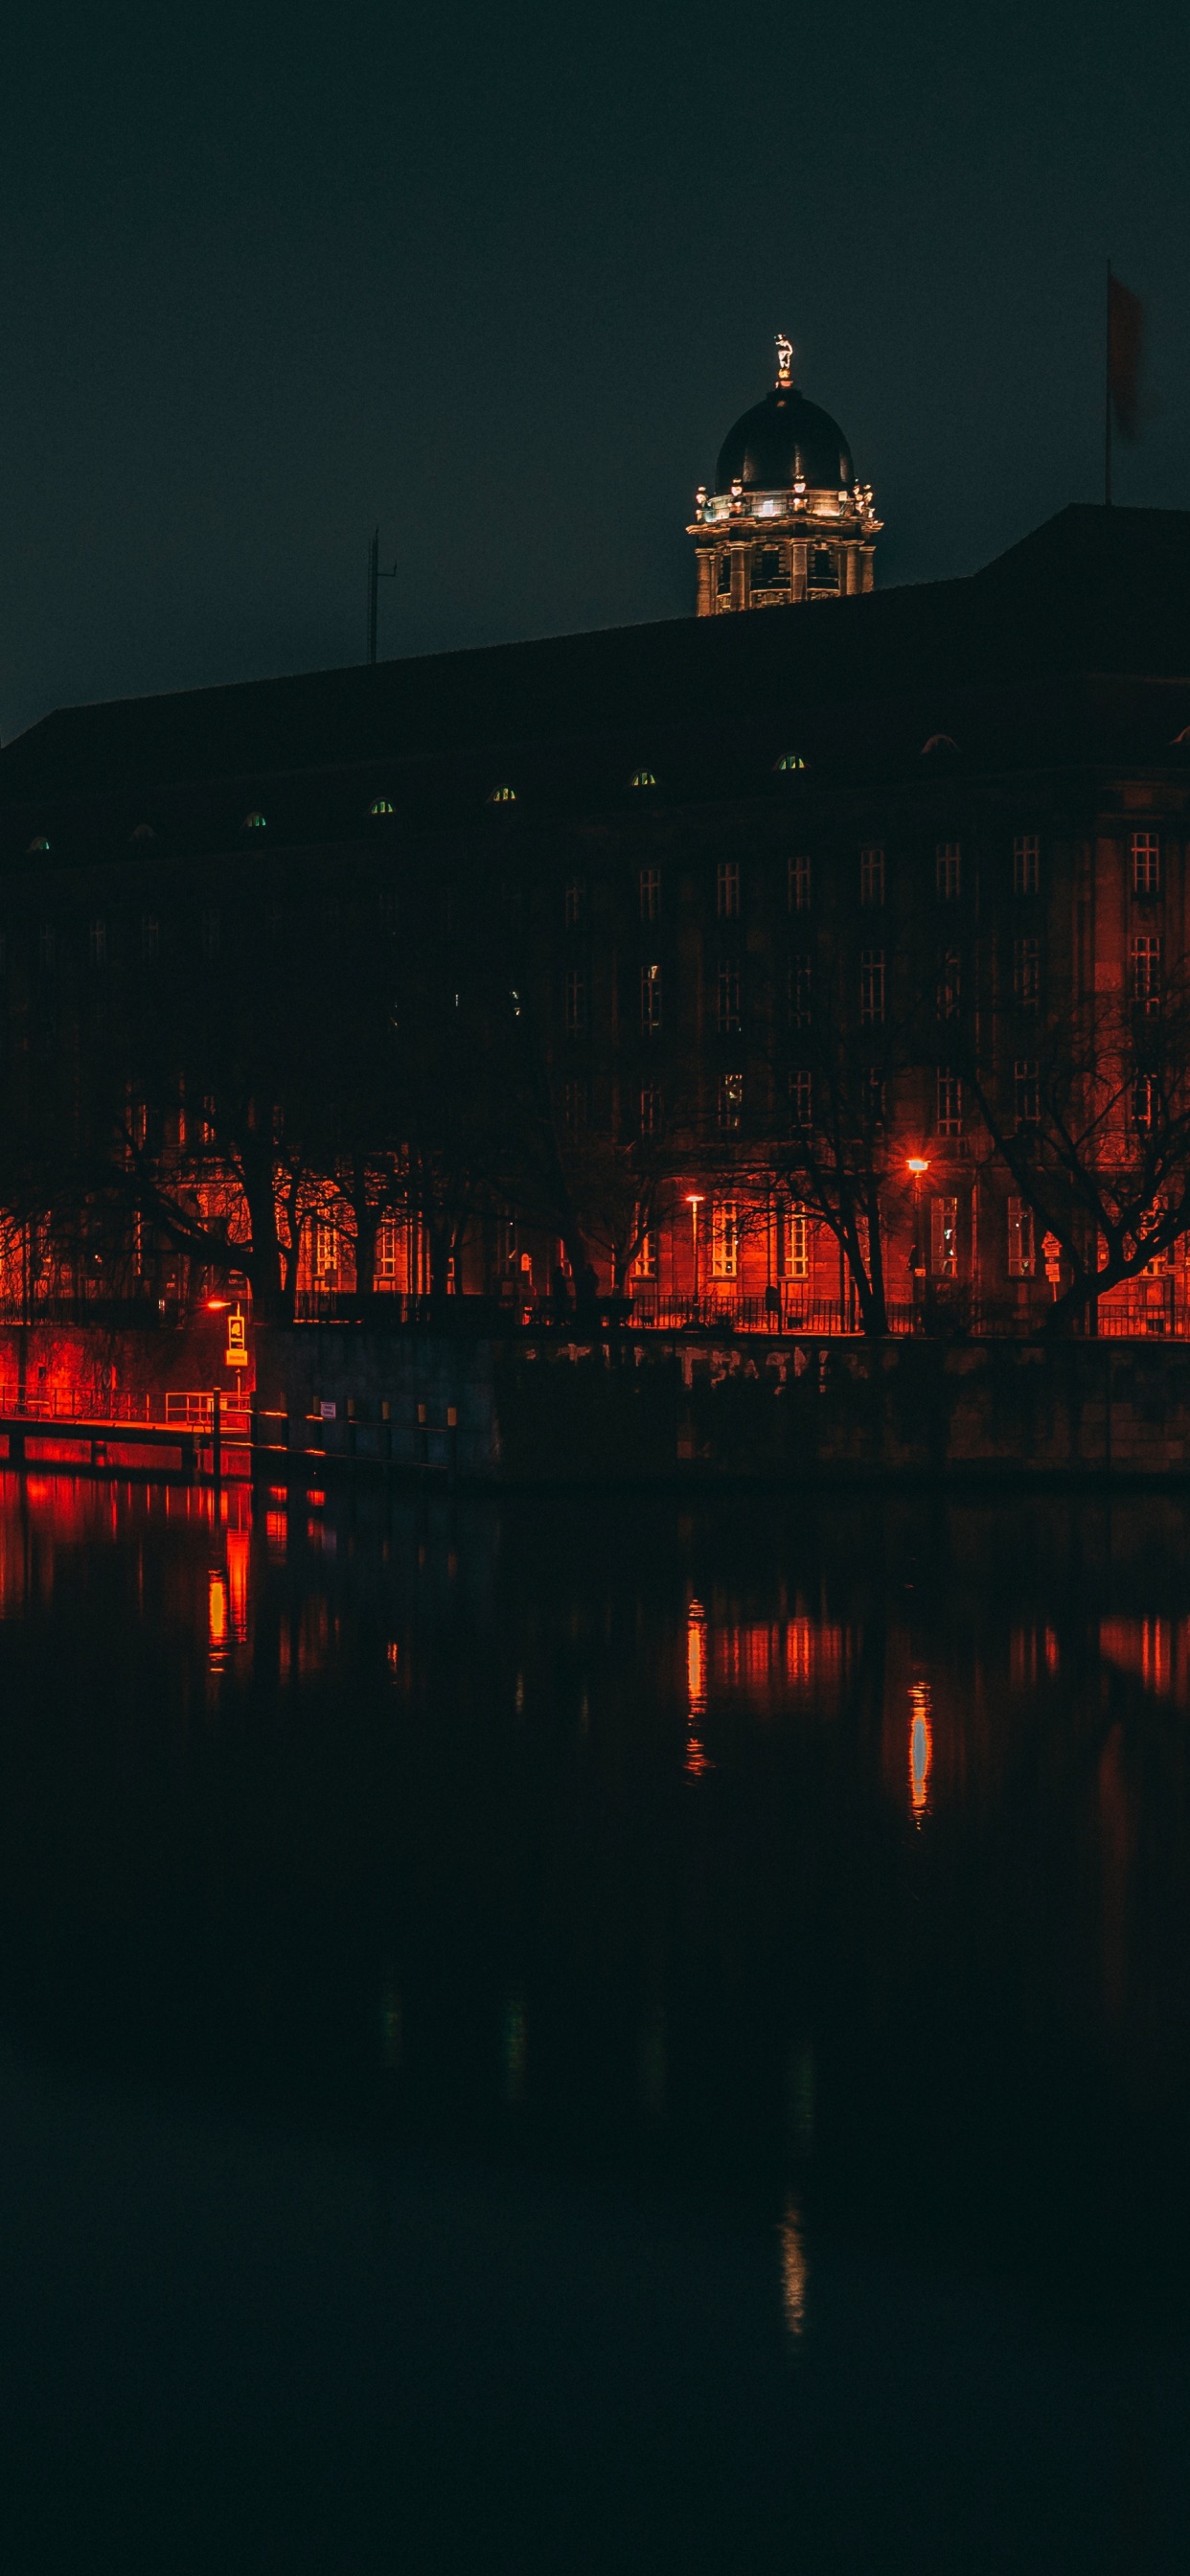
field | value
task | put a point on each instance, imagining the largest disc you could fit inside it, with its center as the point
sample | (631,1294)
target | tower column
(706,573)
(739,577)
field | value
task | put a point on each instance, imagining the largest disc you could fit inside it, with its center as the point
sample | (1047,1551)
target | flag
(1125,352)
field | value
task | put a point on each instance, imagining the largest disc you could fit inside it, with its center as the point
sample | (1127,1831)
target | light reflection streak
(793,2268)
(696,1690)
(921,1749)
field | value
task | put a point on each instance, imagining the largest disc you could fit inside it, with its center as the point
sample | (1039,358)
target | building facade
(751,968)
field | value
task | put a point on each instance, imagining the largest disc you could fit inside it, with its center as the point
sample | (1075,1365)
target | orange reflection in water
(217,1615)
(1155,1652)
(921,1749)
(237,1581)
(793,2268)
(696,1688)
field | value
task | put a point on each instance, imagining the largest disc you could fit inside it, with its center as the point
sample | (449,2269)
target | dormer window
(380,805)
(643,778)
(790,760)
(255,822)
(38,847)
(502,795)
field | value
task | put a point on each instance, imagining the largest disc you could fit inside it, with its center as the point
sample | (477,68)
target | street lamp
(918,1165)
(694,1200)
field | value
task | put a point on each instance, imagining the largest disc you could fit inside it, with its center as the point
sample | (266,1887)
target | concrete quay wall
(650,1409)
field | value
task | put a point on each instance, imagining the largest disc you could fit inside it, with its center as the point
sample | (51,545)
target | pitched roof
(1090,591)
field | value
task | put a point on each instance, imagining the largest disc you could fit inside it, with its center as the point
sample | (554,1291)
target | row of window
(1145,959)
(795,1231)
(1144,863)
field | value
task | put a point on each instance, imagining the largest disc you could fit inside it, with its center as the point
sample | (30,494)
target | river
(591,2036)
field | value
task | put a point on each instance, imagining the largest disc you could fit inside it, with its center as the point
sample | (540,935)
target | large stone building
(790,914)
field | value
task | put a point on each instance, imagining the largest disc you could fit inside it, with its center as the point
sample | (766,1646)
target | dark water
(593,2038)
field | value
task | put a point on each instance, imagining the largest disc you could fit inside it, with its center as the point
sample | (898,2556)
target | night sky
(501,279)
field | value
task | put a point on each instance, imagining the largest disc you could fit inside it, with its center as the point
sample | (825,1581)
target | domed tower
(787,519)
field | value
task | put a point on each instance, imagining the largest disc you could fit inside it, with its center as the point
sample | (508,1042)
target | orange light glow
(218,1305)
(217,1622)
(696,1689)
(694,1198)
(917,1164)
(921,1749)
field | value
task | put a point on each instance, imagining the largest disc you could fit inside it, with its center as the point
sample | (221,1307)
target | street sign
(237,1341)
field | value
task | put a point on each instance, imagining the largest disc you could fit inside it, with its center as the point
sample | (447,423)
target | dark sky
(502,278)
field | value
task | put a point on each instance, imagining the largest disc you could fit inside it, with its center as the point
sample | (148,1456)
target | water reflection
(930,1891)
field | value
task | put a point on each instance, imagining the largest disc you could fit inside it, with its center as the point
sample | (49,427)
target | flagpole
(1107,397)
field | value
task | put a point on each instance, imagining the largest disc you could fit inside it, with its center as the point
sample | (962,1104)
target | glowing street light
(694,1200)
(917,1164)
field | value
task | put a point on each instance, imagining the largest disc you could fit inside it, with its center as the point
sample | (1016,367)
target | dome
(784,440)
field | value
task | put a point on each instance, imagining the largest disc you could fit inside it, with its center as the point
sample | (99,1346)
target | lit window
(727,889)
(731,1102)
(97,943)
(950,1105)
(949,985)
(501,795)
(1145,1102)
(650,894)
(822,569)
(1146,863)
(38,847)
(728,999)
(790,760)
(801,1096)
(949,869)
(1021,1254)
(576,1003)
(944,1238)
(1026,863)
(1146,970)
(800,992)
(725,1239)
(643,778)
(1026,1090)
(650,1108)
(380,805)
(645,1263)
(255,823)
(799,884)
(793,1244)
(324,1253)
(573,903)
(871,875)
(1026,973)
(388,1263)
(871,984)
(650,1001)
